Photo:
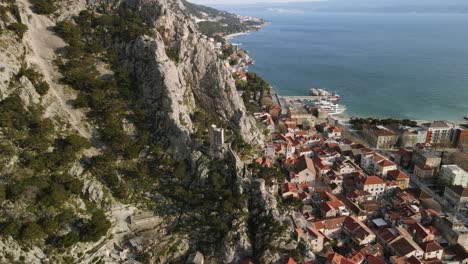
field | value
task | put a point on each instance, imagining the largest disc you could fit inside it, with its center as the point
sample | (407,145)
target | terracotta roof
(305,163)
(377,157)
(371,259)
(418,193)
(372,180)
(413,260)
(247,260)
(332,223)
(386,163)
(289,260)
(314,231)
(424,166)
(420,231)
(403,151)
(381,132)
(289,187)
(402,246)
(398,174)
(432,246)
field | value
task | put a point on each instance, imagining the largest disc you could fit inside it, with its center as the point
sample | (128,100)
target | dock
(306,98)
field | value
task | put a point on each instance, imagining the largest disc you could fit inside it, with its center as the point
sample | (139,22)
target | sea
(398,65)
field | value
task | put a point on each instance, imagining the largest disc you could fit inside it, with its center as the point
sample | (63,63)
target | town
(363,190)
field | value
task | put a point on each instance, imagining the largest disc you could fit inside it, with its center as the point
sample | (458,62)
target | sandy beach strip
(230,36)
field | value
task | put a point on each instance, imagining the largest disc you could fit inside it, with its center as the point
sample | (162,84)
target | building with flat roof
(438,132)
(454,175)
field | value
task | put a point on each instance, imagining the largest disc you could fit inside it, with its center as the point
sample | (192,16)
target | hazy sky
(208,2)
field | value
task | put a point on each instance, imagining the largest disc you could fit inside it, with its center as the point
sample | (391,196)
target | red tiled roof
(424,166)
(432,246)
(305,163)
(289,260)
(289,187)
(386,163)
(371,259)
(372,180)
(398,174)
(404,151)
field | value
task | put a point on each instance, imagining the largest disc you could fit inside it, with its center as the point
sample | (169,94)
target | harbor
(321,99)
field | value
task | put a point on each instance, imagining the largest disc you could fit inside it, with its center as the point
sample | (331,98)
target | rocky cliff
(176,73)
(196,79)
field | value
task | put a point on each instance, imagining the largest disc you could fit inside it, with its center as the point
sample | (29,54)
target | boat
(330,108)
(331,96)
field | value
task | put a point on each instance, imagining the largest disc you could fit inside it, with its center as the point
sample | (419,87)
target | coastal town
(360,190)
(389,197)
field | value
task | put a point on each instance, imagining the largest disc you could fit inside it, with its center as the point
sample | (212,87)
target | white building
(454,175)
(372,184)
(438,132)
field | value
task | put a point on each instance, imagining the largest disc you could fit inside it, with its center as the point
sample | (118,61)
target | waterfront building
(380,137)
(438,132)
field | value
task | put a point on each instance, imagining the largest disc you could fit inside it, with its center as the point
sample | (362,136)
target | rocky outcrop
(175,88)
(270,231)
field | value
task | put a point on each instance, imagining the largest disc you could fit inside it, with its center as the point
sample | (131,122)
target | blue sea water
(402,65)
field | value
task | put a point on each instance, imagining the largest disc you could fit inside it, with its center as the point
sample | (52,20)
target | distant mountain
(423,6)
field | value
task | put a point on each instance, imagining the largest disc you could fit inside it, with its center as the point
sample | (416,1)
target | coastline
(233,35)
(346,117)
(229,37)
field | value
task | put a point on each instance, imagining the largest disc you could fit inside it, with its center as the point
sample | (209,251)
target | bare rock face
(197,79)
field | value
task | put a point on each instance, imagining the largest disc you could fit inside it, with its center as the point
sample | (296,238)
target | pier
(306,98)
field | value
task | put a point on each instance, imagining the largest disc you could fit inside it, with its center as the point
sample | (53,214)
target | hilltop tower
(216,141)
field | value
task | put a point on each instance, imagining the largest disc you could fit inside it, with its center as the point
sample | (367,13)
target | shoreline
(233,35)
(346,116)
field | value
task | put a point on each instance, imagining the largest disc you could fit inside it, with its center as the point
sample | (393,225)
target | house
(403,157)
(329,227)
(405,247)
(334,180)
(312,238)
(333,132)
(457,196)
(335,258)
(289,189)
(332,207)
(383,167)
(264,162)
(275,111)
(241,75)
(304,151)
(426,157)
(400,177)
(454,175)
(320,167)
(359,233)
(433,250)
(304,170)
(380,137)
(424,171)
(419,233)
(372,184)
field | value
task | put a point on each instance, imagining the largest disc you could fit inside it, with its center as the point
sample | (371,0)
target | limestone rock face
(198,79)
